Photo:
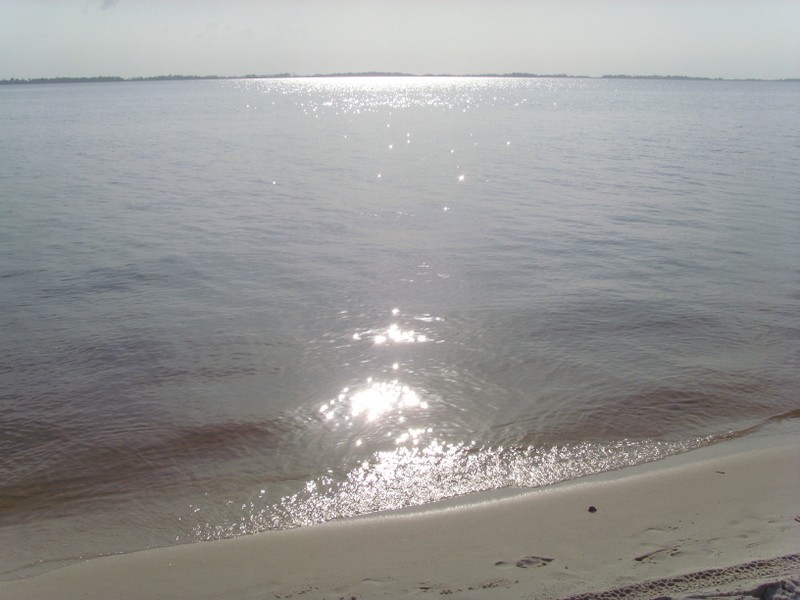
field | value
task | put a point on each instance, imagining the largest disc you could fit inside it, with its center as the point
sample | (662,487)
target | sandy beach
(720,519)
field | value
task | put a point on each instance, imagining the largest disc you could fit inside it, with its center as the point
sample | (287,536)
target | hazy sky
(715,38)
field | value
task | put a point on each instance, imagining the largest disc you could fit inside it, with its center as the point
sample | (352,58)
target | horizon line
(288,75)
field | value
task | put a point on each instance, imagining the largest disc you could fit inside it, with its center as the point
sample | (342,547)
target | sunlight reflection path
(379,402)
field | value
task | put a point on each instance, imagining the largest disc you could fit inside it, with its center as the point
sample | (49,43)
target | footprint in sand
(658,554)
(525,563)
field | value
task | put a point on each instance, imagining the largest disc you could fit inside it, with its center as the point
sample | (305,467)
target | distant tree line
(106,79)
(62,80)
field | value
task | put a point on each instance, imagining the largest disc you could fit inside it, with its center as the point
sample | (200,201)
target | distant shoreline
(116,79)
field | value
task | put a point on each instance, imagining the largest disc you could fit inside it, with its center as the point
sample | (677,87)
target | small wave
(413,476)
(418,475)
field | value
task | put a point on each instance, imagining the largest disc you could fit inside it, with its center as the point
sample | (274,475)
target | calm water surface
(231,306)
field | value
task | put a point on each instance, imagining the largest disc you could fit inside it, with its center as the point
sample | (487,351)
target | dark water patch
(20,273)
(604,315)
(135,358)
(66,472)
(154,361)
(658,411)
(121,278)
(790,414)
(574,406)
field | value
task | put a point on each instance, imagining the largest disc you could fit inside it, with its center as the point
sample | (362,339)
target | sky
(131,38)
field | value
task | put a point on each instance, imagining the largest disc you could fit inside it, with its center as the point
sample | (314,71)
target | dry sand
(701,513)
